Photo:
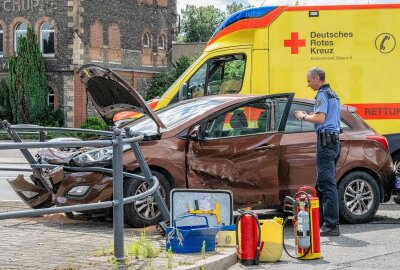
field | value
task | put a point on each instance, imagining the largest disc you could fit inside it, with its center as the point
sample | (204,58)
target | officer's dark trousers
(327,157)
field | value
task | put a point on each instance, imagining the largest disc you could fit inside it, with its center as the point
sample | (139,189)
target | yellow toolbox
(226,237)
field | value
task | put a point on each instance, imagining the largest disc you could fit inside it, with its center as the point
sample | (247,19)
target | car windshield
(177,114)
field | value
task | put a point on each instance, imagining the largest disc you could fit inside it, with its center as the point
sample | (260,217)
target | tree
(5,108)
(165,79)
(232,8)
(199,23)
(28,82)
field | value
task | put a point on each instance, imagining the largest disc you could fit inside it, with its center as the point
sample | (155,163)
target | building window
(50,97)
(20,31)
(114,46)
(47,39)
(146,40)
(161,42)
(96,42)
(1,41)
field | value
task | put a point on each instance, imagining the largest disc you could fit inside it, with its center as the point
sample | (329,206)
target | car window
(294,126)
(344,126)
(253,118)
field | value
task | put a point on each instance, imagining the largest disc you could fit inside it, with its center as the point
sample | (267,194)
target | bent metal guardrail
(117,171)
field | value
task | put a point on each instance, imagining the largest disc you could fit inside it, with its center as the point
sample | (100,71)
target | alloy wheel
(147,208)
(359,197)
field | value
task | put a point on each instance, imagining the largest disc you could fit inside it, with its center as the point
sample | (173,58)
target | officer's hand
(299,114)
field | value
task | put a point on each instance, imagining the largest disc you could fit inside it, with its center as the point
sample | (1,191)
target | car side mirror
(196,134)
(183,92)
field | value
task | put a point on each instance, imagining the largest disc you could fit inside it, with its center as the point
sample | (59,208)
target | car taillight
(381,139)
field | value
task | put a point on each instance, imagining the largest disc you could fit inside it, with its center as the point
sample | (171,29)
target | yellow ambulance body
(270,49)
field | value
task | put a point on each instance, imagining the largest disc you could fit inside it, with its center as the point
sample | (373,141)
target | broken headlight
(102,156)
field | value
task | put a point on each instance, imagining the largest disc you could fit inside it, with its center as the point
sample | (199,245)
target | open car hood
(110,94)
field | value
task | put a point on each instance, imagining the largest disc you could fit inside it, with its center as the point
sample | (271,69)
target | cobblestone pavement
(56,242)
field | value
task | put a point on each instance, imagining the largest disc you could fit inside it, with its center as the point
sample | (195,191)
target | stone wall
(108,33)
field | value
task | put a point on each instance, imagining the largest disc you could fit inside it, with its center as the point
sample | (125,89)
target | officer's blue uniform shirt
(327,102)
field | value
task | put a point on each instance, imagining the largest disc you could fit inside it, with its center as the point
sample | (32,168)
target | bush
(94,123)
(5,108)
(165,79)
(51,118)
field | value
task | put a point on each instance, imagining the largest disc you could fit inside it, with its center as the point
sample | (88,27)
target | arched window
(146,40)
(1,41)
(50,97)
(20,31)
(161,42)
(47,39)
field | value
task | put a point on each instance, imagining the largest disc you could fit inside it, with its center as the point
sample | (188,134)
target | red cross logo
(294,43)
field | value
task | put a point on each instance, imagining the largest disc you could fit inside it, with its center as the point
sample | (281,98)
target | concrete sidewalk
(56,242)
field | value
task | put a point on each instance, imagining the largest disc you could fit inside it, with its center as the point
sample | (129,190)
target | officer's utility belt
(327,137)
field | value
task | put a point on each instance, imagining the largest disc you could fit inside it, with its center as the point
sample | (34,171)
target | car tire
(359,197)
(144,212)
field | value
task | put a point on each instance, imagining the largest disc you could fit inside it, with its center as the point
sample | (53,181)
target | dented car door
(239,150)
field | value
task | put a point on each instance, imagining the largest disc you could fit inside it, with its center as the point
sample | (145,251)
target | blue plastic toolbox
(189,239)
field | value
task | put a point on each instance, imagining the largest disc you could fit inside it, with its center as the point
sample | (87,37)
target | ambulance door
(221,72)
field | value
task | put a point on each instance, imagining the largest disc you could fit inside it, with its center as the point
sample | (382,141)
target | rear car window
(295,126)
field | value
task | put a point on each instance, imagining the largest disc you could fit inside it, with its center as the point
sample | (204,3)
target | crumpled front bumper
(33,195)
(36,196)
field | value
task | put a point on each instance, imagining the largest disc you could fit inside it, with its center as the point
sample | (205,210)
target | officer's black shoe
(327,231)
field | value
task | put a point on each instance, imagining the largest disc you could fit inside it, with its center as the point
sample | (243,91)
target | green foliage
(169,258)
(163,80)
(199,23)
(232,8)
(5,107)
(28,82)
(234,70)
(94,123)
(203,254)
(52,118)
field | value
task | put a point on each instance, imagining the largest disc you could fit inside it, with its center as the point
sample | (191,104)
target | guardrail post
(118,209)
(144,167)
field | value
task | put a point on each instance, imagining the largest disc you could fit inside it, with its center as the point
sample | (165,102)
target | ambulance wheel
(144,212)
(359,197)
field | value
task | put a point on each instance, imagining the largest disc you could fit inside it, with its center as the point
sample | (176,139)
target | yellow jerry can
(272,237)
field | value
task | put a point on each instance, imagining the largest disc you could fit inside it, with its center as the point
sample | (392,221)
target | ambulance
(267,50)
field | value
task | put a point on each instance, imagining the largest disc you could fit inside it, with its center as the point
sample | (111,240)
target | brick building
(133,37)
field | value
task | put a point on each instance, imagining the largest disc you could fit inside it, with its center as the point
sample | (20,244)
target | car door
(238,150)
(298,149)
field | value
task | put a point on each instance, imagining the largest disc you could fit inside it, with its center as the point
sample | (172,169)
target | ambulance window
(197,82)
(226,74)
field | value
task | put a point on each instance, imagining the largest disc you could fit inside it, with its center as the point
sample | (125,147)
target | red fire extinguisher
(250,237)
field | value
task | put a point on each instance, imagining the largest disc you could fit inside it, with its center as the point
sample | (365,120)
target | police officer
(326,119)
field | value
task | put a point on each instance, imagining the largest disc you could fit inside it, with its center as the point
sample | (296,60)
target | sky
(221,4)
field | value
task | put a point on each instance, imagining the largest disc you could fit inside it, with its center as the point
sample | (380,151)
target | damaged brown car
(249,144)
